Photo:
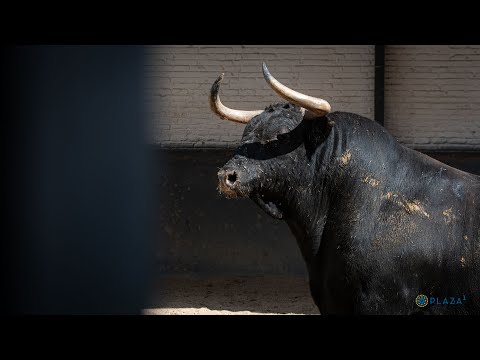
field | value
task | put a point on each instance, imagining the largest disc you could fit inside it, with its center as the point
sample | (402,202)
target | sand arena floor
(236,295)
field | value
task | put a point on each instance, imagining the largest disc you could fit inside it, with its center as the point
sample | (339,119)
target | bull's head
(273,158)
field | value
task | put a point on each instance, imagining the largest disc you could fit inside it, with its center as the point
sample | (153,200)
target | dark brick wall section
(205,233)
(466,161)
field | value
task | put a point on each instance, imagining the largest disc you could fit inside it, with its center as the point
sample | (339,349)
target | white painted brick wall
(432,96)
(179,80)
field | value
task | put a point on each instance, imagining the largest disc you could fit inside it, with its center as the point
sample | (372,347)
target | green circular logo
(421,300)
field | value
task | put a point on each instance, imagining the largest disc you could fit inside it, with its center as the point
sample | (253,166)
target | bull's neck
(352,153)
(310,198)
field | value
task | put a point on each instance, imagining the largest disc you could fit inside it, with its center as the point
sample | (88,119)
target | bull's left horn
(318,107)
(226,113)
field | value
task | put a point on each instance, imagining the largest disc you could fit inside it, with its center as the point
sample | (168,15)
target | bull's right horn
(318,107)
(226,113)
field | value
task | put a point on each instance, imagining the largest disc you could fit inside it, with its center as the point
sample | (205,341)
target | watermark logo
(421,300)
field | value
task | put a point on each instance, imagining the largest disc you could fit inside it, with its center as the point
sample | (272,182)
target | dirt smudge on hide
(370,180)
(448,216)
(465,237)
(401,230)
(462,261)
(377,243)
(390,195)
(345,158)
(415,207)
(410,206)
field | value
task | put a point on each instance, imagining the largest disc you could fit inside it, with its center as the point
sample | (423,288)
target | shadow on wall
(205,233)
(466,161)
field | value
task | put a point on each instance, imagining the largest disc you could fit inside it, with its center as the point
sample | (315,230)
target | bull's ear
(316,132)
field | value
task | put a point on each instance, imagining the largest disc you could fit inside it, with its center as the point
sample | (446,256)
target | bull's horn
(318,107)
(226,113)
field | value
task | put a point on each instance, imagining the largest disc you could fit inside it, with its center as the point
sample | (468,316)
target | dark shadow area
(466,161)
(284,144)
(204,233)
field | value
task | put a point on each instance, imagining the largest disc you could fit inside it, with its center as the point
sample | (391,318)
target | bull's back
(425,240)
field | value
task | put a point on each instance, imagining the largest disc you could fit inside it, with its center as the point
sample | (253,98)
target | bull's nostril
(231,178)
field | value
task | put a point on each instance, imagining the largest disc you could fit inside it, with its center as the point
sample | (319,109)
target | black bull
(377,223)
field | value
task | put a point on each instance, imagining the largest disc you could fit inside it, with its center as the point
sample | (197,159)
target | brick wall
(432,96)
(179,80)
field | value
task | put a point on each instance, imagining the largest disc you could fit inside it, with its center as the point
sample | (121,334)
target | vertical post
(380,84)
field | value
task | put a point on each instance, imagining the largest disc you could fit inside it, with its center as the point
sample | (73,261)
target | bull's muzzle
(228,180)
(228,177)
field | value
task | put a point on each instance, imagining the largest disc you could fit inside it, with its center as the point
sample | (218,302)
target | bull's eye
(269,140)
(286,106)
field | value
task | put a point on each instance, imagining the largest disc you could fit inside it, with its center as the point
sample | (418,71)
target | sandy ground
(272,295)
